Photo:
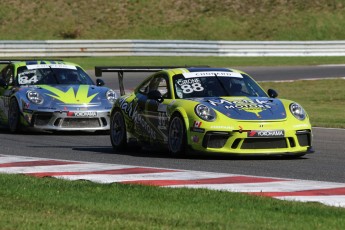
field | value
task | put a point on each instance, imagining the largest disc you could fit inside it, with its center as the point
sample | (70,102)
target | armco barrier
(88,48)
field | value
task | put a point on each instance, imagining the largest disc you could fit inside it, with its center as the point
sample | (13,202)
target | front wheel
(118,135)
(177,139)
(14,116)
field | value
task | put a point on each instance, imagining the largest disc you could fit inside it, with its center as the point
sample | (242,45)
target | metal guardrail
(93,48)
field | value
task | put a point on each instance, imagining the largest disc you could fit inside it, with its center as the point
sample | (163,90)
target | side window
(8,75)
(160,83)
(144,88)
(163,88)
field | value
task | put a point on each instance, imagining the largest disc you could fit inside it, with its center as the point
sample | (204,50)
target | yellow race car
(213,110)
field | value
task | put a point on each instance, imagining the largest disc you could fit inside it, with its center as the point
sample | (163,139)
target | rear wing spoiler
(120,70)
(3,62)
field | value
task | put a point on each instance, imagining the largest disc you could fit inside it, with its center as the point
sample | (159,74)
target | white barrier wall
(88,48)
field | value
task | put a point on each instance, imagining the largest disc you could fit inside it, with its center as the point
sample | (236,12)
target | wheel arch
(122,146)
(118,109)
(182,113)
(17,97)
(20,120)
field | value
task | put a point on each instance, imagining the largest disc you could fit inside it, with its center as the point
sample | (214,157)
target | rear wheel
(14,116)
(118,135)
(177,139)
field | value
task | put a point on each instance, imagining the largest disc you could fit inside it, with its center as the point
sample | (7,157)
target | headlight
(297,111)
(34,97)
(205,113)
(111,95)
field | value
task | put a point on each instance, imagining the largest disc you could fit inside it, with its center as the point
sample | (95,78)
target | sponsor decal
(70,97)
(212,74)
(27,77)
(245,104)
(45,108)
(196,127)
(301,125)
(28,111)
(26,105)
(131,110)
(221,127)
(48,66)
(197,130)
(162,121)
(162,108)
(195,139)
(82,114)
(254,108)
(197,124)
(190,85)
(266,133)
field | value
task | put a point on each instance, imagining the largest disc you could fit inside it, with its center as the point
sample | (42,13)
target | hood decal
(253,108)
(70,97)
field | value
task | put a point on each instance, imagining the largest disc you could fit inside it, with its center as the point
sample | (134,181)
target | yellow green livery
(211,110)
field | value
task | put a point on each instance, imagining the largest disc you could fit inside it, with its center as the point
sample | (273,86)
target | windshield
(49,74)
(215,84)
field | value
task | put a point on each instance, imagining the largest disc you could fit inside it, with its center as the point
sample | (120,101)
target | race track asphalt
(326,164)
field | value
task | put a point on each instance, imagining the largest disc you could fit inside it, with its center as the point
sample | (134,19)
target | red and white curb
(328,193)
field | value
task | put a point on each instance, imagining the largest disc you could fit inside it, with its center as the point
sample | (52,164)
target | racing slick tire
(177,137)
(118,133)
(14,116)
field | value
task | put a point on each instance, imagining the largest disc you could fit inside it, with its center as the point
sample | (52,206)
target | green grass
(165,19)
(322,99)
(91,62)
(46,203)
(232,62)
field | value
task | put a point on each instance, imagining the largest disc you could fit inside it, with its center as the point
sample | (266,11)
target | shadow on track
(153,152)
(142,152)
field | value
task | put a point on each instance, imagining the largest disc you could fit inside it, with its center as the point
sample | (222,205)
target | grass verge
(44,203)
(322,99)
(194,20)
(91,62)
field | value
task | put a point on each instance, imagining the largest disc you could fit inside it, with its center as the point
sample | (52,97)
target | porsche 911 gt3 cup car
(52,95)
(213,110)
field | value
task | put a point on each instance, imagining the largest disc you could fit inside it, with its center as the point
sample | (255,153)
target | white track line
(328,193)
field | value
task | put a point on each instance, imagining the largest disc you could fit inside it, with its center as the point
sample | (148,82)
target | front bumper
(294,142)
(69,121)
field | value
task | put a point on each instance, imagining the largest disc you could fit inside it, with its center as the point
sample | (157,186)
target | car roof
(200,69)
(35,62)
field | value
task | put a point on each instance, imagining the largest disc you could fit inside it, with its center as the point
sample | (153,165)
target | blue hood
(247,108)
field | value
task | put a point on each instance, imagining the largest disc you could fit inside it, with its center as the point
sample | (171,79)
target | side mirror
(3,83)
(155,95)
(99,82)
(272,93)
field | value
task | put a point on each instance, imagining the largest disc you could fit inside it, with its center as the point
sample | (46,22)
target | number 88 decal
(191,88)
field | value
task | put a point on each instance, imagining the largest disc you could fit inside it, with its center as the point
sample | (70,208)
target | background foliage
(179,19)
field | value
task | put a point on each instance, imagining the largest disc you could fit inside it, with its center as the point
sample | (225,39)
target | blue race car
(52,95)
